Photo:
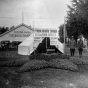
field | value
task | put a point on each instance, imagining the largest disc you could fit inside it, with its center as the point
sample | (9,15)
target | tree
(12,27)
(61,28)
(3,29)
(77,19)
(61,32)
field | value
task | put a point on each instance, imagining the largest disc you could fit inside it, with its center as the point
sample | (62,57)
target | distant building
(18,33)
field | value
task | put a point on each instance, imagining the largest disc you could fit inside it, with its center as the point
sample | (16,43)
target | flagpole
(22,17)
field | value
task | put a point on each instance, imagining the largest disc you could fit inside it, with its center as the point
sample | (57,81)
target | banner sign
(46,33)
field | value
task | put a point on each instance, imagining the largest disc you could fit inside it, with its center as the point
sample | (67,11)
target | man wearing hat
(80,46)
(72,46)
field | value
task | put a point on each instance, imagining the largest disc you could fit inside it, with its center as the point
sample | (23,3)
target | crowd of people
(79,45)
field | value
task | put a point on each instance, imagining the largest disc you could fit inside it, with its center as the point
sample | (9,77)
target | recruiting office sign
(41,33)
(46,33)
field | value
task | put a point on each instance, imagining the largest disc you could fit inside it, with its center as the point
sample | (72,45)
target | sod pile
(48,61)
(79,61)
(33,65)
(37,61)
(48,57)
(63,64)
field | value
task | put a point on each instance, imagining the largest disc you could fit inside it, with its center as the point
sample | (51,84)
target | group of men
(73,46)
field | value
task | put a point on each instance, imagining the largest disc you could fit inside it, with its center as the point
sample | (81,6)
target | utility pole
(34,37)
(64,34)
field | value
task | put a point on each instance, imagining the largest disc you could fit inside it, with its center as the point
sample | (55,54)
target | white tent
(61,46)
(28,46)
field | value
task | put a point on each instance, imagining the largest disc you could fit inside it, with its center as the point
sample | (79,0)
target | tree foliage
(61,28)
(61,32)
(77,18)
(3,29)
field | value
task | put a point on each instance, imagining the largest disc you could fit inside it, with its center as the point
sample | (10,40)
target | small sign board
(53,41)
(37,40)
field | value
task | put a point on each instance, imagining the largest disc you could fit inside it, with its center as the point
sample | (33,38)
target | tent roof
(28,41)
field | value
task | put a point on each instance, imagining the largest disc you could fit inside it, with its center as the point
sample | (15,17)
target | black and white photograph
(43,43)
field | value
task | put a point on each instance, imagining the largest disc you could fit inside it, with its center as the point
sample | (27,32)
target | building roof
(29,27)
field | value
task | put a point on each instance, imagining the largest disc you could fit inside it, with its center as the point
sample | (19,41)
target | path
(85,52)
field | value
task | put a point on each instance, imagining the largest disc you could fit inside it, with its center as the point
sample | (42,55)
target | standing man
(72,46)
(80,46)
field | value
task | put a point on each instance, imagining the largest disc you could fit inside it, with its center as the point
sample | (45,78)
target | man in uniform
(72,46)
(80,46)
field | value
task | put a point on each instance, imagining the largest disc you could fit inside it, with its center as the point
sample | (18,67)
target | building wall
(18,34)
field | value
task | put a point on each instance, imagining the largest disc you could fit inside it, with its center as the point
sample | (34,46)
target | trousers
(72,51)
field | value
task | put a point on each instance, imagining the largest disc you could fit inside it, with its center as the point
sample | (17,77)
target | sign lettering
(46,33)
(20,34)
(54,41)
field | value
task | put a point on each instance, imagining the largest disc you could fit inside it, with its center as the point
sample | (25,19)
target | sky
(37,13)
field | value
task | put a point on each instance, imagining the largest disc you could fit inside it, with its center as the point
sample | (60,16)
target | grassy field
(44,77)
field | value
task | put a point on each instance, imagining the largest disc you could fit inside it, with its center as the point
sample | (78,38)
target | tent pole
(46,44)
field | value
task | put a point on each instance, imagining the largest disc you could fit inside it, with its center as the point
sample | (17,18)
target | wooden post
(46,44)
(64,34)
(34,36)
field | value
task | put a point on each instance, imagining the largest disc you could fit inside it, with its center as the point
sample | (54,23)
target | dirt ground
(45,78)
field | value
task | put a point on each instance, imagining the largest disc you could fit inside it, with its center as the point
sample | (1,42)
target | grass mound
(39,57)
(63,64)
(54,63)
(37,61)
(33,65)
(48,57)
(79,61)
